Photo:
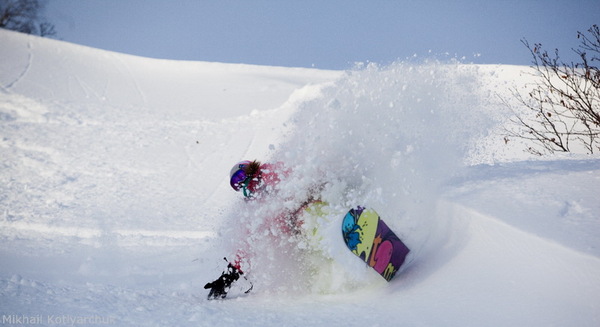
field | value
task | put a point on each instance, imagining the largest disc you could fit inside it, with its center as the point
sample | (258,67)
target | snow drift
(115,200)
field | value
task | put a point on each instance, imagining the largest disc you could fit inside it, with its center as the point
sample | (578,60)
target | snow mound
(115,202)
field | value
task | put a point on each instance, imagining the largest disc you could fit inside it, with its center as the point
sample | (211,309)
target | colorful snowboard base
(369,238)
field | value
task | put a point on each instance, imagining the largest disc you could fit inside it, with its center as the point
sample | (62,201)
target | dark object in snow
(220,287)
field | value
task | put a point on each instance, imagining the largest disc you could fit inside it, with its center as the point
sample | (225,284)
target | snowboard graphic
(369,238)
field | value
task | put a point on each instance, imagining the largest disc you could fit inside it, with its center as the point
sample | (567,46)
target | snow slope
(115,202)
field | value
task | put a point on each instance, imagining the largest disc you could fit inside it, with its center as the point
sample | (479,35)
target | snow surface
(115,203)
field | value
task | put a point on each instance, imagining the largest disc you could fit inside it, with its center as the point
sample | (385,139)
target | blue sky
(324,34)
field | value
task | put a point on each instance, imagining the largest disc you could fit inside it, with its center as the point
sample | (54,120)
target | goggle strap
(245,187)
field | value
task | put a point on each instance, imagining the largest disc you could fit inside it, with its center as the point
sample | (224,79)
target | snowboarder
(256,180)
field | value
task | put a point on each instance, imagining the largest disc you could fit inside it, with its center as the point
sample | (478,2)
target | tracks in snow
(25,70)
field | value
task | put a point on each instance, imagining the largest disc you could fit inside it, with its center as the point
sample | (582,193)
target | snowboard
(370,239)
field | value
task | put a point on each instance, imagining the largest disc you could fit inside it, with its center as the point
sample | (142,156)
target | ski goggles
(240,181)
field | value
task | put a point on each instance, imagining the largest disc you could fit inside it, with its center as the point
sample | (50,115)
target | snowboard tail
(370,239)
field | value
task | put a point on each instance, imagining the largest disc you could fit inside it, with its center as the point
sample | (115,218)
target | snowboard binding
(220,286)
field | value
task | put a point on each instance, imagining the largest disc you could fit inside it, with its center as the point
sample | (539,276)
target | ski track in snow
(25,69)
(115,201)
(133,78)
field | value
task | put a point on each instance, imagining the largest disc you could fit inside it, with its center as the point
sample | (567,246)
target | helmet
(237,175)
(245,175)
